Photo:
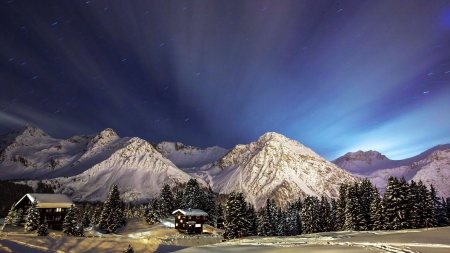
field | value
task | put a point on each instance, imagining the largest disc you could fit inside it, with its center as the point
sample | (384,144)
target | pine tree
(193,195)
(427,209)
(281,225)
(272,212)
(43,228)
(33,217)
(395,204)
(235,216)
(178,199)
(86,221)
(310,215)
(440,218)
(332,217)
(340,210)
(11,214)
(252,220)
(166,201)
(366,192)
(210,207)
(129,249)
(112,216)
(17,217)
(324,214)
(376,215)
(412,206)
(264,226)
(153,215)
(96,216)
(354,216)
(70,223)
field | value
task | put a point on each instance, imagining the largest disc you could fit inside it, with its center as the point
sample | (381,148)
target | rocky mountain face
(431,166)
(138,169)
(188,156)
(276,167)
(85,167)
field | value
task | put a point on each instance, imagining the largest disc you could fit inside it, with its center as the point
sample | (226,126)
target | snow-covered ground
(159,238)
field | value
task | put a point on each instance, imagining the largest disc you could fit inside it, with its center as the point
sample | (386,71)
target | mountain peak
(32,131)
(362,156)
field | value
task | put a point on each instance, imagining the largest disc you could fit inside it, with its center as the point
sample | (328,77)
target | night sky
(337,76)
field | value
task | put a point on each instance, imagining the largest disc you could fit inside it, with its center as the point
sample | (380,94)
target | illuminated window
(179,216)
(176,224)
(59,209)
(181,221)
(57,218)
(189,217)
(198,225)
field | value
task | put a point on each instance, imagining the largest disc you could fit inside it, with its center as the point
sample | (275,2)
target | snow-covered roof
(191,212)
(48,200)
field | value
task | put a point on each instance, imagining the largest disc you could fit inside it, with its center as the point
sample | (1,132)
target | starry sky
(337,76)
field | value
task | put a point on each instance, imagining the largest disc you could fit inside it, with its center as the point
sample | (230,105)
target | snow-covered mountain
(276,167)
(431,166)
(188,156)
(134,165)
(85,167)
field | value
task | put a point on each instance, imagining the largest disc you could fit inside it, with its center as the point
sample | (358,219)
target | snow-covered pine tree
(210,207)
(281,226)
(264,226)
(447,208)
(33,218)
(220,215)
(272,212)
(310,215)
(365,195)
(440,216)
(96,216)
(376,213)
(340,210)
(152,214)
(427,210)
(86,221)
(324,214)
(354,217)
(332,218)
(17,217)
(193,195)
(252,220)
(129,249)
(444,206)
(11,214)
(43,228)
(235,216)
(112,216)
(178,199)
(166,201)
(394,202)
(412,206)
(70,223)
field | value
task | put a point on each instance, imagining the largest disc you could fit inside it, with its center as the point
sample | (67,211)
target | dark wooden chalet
(190,220)
(52,207)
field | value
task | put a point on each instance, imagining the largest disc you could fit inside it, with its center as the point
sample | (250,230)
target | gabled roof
(48,200)
(191,212)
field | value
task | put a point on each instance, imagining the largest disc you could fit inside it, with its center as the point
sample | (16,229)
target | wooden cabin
(190,220)
(52,207)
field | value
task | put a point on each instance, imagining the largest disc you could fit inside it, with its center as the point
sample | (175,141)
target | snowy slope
(431,166)
(188,156)
(276,167)
(85,167)
(138,169)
